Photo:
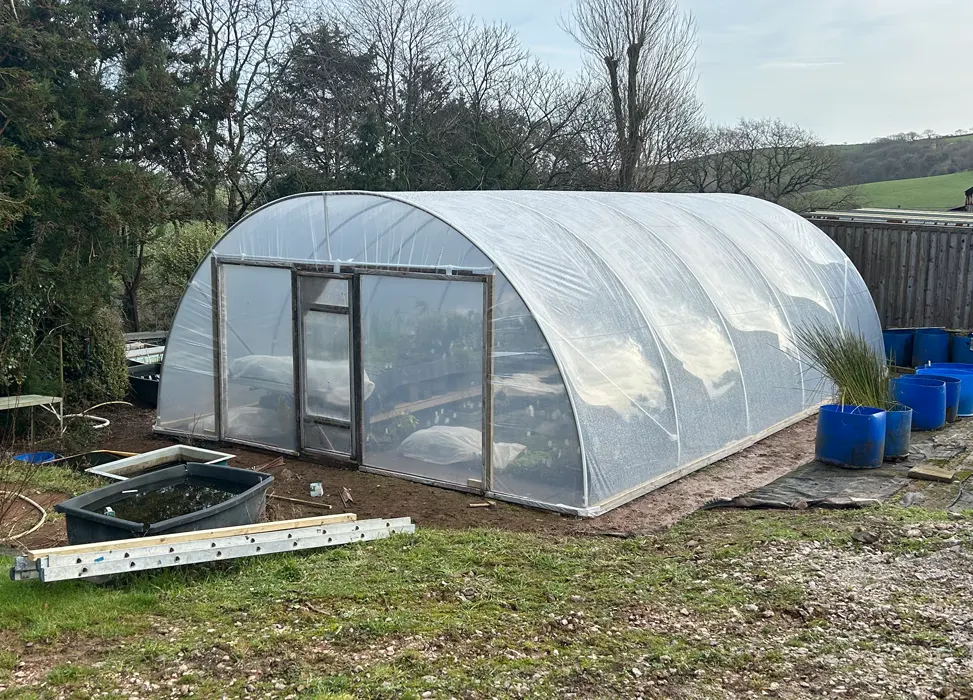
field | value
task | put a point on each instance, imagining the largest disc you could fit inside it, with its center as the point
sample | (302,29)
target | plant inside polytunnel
(859,372)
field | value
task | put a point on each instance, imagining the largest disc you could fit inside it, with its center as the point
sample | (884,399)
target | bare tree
(770,159)
(644,52)
(520,110)
(409,39)
(240,45)
(484,63)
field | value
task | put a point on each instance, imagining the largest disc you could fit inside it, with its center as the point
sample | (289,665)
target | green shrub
(171,261)
(95,369)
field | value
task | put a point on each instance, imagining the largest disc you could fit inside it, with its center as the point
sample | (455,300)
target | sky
(849,70)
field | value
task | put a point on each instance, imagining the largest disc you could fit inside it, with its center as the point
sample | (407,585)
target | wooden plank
(423,404)
(952,280)
(966,297)
(309,504)
(934,283)
(910,288)
(857,238)
(941,276)
(868,262)
(900,272)
(35,554)
(868,268)
(878,268)
(928,472)
(892,265)
(929,288)
(922,275)
(959,282)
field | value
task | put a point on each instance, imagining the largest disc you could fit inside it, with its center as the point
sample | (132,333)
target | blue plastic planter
(898,346)
(898,432)
(930,345)
(851,436)
(36,457)
(954,387)
(962,372)
(959,348)
(926,397)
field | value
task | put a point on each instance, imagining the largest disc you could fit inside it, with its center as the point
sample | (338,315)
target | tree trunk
(132,292)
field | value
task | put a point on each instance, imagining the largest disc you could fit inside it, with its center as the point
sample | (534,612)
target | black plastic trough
(144,382)
(245,503)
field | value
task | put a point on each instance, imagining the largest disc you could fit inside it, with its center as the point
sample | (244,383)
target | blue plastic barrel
(930,345)
(959,348)
(898,432)
(851,436)
(898,346)
(954,387)
(926,397)
(962,372)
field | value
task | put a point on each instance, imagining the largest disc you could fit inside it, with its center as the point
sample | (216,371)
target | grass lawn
(939,192)
(724,604)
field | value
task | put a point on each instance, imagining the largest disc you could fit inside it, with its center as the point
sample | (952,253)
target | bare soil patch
(22,516)
(379,496)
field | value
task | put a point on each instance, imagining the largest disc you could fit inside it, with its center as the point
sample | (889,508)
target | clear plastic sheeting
(635,336)
(422,344)
(258,330)
(185,406)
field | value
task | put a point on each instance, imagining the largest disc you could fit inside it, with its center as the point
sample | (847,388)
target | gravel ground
(891,618)
(850,605)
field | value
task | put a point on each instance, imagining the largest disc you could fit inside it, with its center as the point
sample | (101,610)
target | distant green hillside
(852,148)
(904,156)
(938,192)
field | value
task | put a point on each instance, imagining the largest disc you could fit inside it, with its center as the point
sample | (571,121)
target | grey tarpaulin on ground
(824,486)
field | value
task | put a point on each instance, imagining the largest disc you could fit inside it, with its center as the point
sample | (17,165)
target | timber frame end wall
(918,275)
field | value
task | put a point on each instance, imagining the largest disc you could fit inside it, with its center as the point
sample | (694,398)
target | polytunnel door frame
(307,305)
(485,483)
(353,274)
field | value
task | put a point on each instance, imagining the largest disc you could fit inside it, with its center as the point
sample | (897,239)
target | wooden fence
(919,275)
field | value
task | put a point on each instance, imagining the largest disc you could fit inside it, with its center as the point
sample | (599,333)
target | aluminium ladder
(179,549)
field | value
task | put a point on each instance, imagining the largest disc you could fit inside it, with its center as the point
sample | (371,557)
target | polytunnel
(567,350)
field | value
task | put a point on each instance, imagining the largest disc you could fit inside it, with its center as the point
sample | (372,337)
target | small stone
(768,613)
(427,694)
(635,672)
(864,536)
(684,612)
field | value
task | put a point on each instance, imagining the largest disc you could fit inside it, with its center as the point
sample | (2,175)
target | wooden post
(60,357)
